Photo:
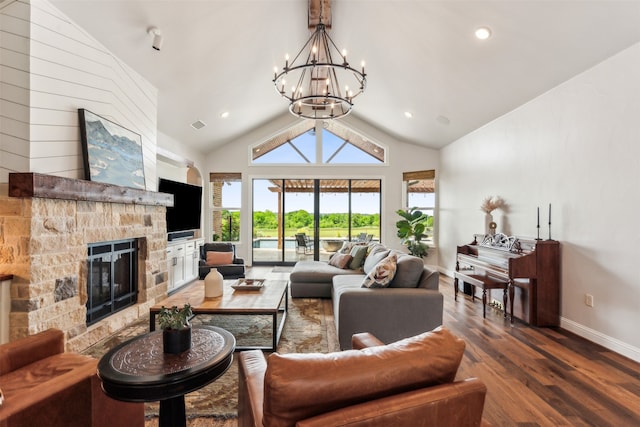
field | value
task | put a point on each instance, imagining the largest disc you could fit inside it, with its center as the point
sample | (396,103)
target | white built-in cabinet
(182,259)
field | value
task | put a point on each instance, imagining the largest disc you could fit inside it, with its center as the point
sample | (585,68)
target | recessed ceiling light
(224,115)
(198,124)
(408,114)
(483,33)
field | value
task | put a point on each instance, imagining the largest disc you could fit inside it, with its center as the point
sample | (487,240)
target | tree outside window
(419,192)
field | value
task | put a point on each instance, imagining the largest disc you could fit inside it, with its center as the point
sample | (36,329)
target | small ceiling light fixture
(483,33)
(316,91)
(157,37)
(198,124)
(408,114)
(224,114)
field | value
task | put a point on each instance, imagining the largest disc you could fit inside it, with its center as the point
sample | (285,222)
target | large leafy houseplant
(411,230)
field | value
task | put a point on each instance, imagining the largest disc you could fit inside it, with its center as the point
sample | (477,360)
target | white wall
(50,67)
(174,159)
(578,148)
(402,157)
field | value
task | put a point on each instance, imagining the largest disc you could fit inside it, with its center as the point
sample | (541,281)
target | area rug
(308,328)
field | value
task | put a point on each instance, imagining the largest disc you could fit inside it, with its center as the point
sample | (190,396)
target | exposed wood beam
(315,8)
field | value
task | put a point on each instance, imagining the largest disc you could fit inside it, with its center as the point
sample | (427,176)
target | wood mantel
(31,184)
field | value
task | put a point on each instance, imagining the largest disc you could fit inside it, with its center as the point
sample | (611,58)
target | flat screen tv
(187,205)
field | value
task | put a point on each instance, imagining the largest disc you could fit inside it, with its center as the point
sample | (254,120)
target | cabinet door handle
(175,260)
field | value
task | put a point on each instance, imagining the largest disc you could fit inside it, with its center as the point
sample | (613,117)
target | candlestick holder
(549,222)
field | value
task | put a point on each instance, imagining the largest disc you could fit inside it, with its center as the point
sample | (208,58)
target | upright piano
(529,268)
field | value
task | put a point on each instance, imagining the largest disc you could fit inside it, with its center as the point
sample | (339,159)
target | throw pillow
(376,254)
(219,258)
(340,260)
(346,248)
(382,274)
(358,252)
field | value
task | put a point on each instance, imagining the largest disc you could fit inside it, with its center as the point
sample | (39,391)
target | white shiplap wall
(14,88)
(50,67)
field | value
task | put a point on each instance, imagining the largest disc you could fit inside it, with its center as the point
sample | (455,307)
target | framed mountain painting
(112,154)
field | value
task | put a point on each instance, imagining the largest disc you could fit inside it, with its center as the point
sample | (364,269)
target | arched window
(312,142)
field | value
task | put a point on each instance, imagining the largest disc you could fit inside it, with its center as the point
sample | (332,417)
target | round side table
(139,371)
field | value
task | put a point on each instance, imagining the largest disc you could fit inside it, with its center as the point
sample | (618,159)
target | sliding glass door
(295,219)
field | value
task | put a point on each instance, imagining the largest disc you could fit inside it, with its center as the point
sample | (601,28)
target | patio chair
(303,242)
(362,237)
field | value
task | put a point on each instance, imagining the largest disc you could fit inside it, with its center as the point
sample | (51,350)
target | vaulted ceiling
(421,57)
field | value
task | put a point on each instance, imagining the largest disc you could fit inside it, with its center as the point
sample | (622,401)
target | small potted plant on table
(176,329)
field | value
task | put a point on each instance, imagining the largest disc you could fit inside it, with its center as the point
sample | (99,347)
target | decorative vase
(175,341)
(213,284)
(488,220)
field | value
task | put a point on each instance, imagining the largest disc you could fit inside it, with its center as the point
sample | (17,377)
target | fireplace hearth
(112,271)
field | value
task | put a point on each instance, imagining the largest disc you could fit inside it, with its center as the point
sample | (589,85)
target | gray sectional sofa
(410,305)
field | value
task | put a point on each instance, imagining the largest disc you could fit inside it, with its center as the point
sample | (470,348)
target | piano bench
(485,282)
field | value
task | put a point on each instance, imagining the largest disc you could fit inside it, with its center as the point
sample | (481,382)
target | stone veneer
(43,243)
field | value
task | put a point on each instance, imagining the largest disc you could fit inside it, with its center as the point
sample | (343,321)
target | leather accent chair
(45,386)
(410,382)
(233,270)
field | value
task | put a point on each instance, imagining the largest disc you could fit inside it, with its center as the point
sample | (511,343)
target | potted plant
(176,329)
(411,230)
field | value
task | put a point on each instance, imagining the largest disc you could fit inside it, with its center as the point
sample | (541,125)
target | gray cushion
(316,271)
(358,253)
(408,271)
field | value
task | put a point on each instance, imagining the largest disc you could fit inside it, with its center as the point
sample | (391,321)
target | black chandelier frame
(317,93)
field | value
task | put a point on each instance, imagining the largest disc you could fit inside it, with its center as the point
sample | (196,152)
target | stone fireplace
(46,226)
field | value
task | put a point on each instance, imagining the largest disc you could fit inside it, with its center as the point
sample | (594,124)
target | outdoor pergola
(290,186)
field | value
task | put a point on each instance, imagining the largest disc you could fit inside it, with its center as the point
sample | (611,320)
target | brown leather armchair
(406,383)
(45,386)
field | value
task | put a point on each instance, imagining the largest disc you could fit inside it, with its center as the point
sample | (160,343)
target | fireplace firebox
(112,279)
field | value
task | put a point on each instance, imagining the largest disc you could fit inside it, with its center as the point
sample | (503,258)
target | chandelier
(315,90)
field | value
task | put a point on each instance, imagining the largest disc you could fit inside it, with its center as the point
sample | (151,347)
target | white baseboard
(608,342)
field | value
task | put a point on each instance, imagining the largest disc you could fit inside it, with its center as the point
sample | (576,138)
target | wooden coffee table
(272,299)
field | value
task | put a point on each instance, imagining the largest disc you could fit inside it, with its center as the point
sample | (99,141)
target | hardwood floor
(541,376)
(534,376)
